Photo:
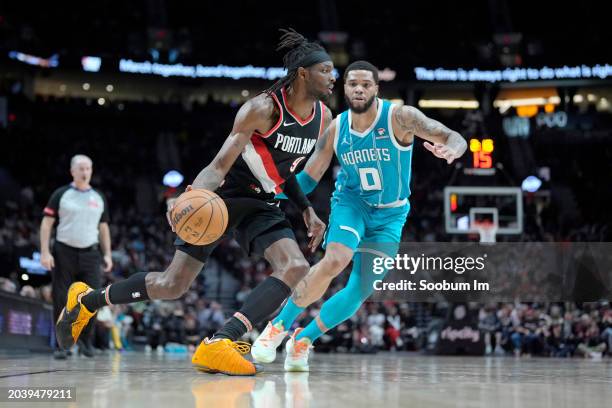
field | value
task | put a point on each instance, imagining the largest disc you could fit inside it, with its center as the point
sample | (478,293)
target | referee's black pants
(73,265)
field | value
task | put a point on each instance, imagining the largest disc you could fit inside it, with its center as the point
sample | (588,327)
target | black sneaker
(85,349)
(60,354)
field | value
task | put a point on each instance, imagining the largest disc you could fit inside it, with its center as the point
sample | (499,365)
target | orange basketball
(199,217)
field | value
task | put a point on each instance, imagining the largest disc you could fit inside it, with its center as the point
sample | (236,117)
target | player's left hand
(108,263)
(316,228)
(170,206)
(442,151)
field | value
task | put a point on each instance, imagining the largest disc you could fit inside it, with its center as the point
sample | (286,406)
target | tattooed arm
(255,115)
(445,143)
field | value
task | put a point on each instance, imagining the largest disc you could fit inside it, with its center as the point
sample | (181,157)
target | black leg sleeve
(260,303)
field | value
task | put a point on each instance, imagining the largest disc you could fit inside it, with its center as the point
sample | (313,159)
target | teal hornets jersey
(373,165)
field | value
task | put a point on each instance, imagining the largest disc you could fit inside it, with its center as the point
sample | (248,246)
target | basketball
(199,217)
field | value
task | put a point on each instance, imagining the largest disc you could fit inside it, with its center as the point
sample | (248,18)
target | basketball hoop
(487,231)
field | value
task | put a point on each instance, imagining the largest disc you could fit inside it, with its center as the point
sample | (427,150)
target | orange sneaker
(74,317)
(223,356)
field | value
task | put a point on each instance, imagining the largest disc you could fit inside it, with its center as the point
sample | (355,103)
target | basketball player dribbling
(272,134)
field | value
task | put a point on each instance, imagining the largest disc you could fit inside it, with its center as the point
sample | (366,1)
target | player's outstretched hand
(316,228)
(171,206)
(442,151)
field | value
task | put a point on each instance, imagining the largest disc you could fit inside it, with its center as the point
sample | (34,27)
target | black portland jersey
(271,158)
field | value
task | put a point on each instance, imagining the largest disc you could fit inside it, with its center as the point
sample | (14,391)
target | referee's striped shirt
(79,212)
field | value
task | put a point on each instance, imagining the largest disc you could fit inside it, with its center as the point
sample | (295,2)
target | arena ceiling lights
(51,62)
(91,64)
(506,99)
(449,104)
(517,98)
(448,99)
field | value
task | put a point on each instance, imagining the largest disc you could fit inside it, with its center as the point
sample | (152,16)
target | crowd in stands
(520,329)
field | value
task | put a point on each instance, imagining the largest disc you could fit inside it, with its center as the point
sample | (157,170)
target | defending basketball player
(373,142)
(272,133)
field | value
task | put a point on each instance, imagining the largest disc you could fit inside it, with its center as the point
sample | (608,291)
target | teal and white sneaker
(297,353)
(264,348)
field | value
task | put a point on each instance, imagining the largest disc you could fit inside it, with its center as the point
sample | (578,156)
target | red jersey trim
(277,125)
(322,128)
(262,150)
(49,211)
(295,115)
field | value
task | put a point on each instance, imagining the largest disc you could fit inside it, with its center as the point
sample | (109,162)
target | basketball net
(487,231)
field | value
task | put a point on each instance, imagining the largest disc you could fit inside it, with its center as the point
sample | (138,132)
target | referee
(82,230)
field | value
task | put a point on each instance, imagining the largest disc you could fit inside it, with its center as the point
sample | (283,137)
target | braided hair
(298,47)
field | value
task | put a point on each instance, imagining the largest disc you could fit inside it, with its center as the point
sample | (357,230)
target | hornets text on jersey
(373,164)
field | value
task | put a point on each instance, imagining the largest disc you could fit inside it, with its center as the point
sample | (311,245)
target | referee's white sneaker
(264,348)
(297,353)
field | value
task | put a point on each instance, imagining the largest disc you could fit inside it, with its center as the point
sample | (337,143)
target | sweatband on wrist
(307,184)
(296,195)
